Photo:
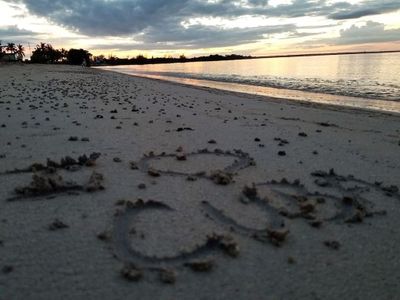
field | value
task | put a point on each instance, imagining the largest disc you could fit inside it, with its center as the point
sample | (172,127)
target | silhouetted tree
(64,54)
(40,54)
(141,59)
(11,48)
(20,52)
(182,57)
(45,53)
(78,56)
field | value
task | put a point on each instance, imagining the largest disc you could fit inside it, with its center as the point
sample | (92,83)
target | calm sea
(358,80)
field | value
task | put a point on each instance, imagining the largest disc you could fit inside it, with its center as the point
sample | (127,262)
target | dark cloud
(14,34)
(211,36)
(371,32)
(159,23)
(123,17)
(197,36)
(367,8)
(13,31)
(296,34)
(156,23)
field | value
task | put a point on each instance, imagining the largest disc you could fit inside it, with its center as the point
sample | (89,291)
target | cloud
(295,35)
(158,24)
(367,8)
(211,36)
(371,32)
(123,17)
(197,37)
(13,33)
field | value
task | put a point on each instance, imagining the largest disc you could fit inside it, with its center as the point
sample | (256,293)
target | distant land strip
(142,60)
(325,54)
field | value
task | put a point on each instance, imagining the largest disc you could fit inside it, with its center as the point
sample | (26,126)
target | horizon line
(326,53)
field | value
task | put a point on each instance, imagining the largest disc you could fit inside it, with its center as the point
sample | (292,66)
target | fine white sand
(324,236)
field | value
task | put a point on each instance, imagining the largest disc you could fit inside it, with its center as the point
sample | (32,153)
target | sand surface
(116,187)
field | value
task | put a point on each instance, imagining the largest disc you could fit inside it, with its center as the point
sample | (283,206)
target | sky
(126,28)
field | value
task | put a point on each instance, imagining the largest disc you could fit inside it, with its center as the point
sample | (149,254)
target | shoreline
(116,187)
(265,97)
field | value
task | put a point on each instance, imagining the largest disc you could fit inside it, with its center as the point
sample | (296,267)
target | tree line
(142,60)
(45,53)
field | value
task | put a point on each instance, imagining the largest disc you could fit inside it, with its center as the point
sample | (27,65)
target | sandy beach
(120,187)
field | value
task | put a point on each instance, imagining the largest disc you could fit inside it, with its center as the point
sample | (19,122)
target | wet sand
(114,186)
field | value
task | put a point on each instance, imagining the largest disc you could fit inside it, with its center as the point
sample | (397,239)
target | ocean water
(357,80)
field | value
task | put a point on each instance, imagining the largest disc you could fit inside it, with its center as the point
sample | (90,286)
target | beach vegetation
(8,52)
(143,60)
(1,49)
(78,57)
(47,54)
(20,51)
(10,48)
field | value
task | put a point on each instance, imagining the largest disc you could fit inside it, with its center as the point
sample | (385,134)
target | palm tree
(41,48)
(20,52)
(11,47)
(63,54)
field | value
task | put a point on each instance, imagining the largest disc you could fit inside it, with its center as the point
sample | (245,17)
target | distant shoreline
(327,54)
(240,57)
